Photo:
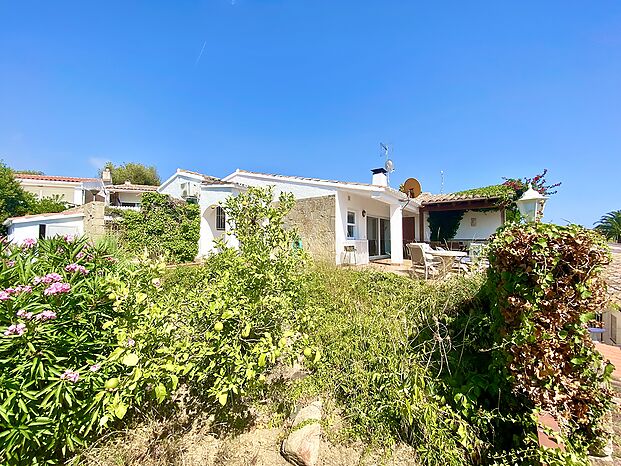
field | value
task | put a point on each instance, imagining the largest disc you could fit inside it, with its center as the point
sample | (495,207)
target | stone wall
(314,219)
(94,221)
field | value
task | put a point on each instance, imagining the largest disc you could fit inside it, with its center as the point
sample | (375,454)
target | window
(220,219)
(42,230)
(351,225)
(473,221)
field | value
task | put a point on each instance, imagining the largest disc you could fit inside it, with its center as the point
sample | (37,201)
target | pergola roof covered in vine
(478,198)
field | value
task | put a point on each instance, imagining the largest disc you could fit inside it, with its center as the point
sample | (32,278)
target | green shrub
(163,227)
(219,327)
(53,309)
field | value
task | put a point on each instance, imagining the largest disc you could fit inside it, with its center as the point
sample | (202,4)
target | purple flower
(79,255)
(76,268)
(15,329)
(4,296)
(19,289)
(56,288)
(23,314)
(130,342)
(70,375)
(69,238)
(28,243)
(10,263)
(95,367)
(46,315)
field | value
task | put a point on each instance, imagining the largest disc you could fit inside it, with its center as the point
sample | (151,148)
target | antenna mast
(441,181)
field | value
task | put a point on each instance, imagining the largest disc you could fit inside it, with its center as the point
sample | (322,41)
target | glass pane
(351,231)
(372,236)
(351,217)
(385,237)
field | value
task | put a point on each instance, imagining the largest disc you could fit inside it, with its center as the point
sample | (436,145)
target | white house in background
(365,219)
(68,222)
(72,190)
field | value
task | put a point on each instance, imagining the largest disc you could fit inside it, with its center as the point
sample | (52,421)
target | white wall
(18,232)
(210,197)
(486,224)
(174,187)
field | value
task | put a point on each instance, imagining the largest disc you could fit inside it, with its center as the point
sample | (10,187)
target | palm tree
(610,226)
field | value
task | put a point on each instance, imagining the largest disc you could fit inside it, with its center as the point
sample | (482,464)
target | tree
(28,172)
(14,200)
(135,173)
(610,226)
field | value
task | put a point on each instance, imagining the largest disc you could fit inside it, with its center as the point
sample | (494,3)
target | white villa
(337,220)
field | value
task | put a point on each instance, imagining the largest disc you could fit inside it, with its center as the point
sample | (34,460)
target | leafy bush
(164,226)
(547,285)
(53,309)
(219,327)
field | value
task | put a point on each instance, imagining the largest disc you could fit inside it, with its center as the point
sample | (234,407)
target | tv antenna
(389,165)
(441,181)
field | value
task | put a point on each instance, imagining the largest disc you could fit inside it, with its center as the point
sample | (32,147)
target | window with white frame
(220,219)
(352,228)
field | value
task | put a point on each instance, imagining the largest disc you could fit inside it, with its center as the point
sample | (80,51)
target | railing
(125,207)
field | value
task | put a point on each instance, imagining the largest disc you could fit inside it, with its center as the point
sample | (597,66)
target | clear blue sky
(478,89)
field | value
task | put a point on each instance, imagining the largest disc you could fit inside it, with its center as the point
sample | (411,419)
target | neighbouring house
(72,190)
(87,219)
(90,196)
(338,221)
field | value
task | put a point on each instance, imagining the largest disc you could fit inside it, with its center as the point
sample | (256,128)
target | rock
(301,448)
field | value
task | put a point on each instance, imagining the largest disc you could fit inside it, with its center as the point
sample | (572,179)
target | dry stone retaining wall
(314,219)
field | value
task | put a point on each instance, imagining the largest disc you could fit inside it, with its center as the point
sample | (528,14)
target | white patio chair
(423,262)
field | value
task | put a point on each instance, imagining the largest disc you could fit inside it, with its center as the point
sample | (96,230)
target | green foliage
(610,226)
(164,226)
(444,224)
(14,201)
(218,328)
(52,330)
(375,336)
(135,173)
(47,205)
(547,284)
(501,191)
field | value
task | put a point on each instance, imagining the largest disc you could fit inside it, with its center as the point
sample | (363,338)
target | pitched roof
(69,179)
(206,178)
(428,198)
(320,180)
(131,187)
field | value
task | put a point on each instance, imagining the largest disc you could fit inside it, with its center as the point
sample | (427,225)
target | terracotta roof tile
(71,179)
(428,198)
(131,187)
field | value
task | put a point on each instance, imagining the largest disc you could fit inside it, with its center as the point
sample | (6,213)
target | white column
(396,234)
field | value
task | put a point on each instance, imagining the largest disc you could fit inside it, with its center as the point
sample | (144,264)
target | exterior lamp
(531,205)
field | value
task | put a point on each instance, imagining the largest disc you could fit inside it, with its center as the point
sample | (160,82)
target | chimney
(106,177)
(380,177)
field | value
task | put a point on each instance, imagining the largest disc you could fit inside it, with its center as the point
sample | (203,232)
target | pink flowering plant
(54,306)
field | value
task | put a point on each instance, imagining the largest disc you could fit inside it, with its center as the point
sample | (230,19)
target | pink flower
(46,315)
(95,367)
(28,243)
(79,255)
(70,375)
(131,342)
(56,288)
(15,329)
(4,296)
(69,238)
(76,268)
(51,277)
(23,314)
(10,263)
(19,289)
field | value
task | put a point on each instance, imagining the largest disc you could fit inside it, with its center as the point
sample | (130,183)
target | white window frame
(354,225)
(220,215)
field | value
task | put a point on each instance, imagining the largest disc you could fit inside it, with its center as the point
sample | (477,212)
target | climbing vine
(444,224)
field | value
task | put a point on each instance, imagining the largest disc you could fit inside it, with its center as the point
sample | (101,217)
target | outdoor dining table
(447,259)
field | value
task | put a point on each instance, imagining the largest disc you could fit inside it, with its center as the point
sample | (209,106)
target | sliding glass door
(378,236)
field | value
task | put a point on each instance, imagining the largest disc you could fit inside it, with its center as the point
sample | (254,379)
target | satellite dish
(412,187)
(389,166)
